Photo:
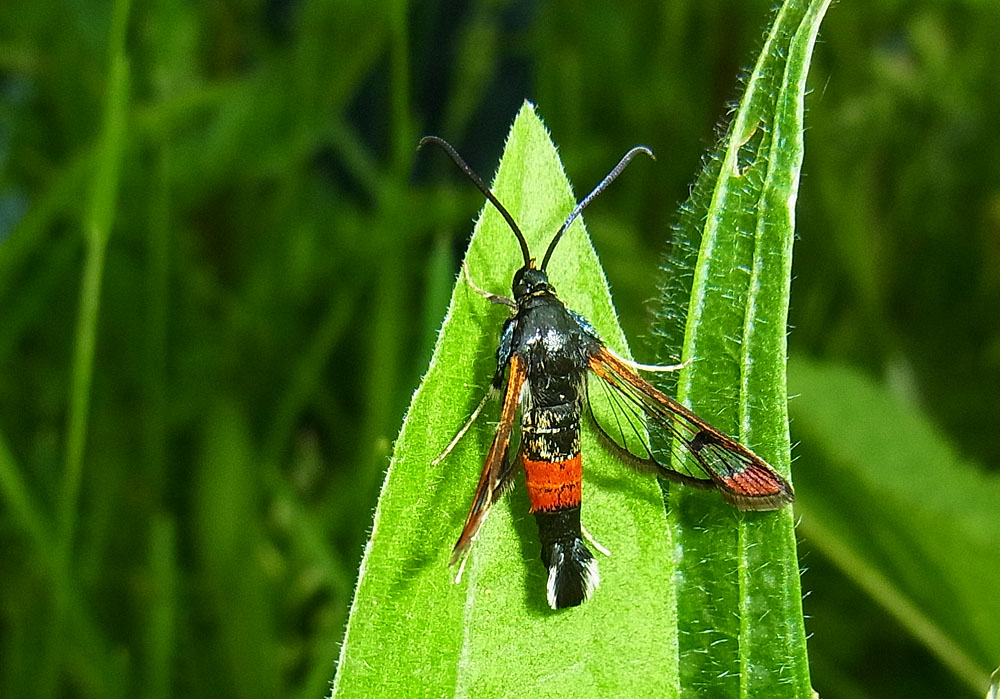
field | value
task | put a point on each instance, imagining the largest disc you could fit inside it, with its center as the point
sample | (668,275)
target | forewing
(702,456)
(497,469)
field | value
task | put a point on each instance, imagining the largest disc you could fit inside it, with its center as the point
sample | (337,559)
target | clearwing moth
(545,355)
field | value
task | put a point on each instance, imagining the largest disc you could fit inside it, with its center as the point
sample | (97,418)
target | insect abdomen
(553,485)
(550,452)
(572,569)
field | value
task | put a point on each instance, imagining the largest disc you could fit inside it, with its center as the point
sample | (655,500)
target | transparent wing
(701,456)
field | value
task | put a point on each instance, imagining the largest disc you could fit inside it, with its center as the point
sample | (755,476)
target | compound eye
(519,287)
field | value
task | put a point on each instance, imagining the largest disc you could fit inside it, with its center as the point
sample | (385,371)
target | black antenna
(453,154)
(590,197)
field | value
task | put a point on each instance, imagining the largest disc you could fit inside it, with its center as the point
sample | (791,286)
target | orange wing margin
(496,470)
(744,479)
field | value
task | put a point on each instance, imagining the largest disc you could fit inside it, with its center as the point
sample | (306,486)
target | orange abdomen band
(553,485)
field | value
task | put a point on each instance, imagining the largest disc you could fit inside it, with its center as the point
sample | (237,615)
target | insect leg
(594,542)
(465,428)
(461,565)
(504,483)
(492,298)
(648,367)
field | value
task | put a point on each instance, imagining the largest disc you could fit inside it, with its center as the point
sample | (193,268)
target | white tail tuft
(573,574)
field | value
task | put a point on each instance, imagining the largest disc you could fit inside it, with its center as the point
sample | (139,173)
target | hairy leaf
(412,631)
(724,301)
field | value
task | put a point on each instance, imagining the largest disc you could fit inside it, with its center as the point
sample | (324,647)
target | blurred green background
(189,521)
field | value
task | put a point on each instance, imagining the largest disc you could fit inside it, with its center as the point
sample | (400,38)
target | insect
(546,354)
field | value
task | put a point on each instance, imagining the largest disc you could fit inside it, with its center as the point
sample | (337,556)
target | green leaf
(412,631)
(889,501)
(725,302)
(97,223)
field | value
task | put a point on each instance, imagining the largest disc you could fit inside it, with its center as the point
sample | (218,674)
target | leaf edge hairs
(546,351)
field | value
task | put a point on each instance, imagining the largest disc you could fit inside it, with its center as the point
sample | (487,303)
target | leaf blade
(892,504)
(411,631)
(773,621)
(739,602)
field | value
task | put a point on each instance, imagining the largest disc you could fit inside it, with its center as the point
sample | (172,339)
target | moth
(547,357)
